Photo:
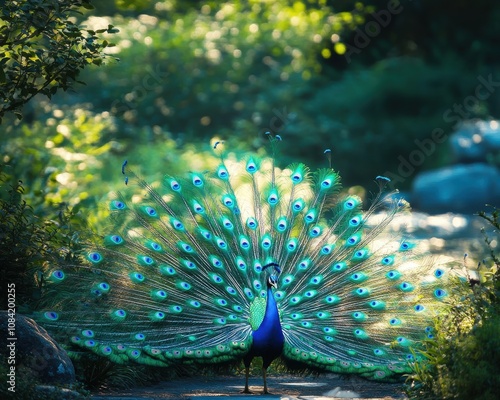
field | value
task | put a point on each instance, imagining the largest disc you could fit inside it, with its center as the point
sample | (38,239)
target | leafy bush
(96,372)
(462,360)
(43,49)
(30,245)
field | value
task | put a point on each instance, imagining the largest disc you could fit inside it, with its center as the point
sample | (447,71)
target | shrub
(43,49)
(462,360)
(29,245)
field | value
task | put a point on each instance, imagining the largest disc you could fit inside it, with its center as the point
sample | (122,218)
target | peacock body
(246,261)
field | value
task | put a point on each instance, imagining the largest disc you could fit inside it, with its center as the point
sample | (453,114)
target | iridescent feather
(216,266)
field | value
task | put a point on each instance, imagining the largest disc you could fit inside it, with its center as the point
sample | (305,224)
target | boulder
(476,141)
(461,188)
(34,350)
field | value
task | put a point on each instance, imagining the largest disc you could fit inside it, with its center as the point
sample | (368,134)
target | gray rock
(462,188)
(476,141)
(54,392)
(34,350)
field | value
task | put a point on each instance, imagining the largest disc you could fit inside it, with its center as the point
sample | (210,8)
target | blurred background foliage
(364,78)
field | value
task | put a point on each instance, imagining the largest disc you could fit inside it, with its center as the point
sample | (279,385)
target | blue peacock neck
(268,339)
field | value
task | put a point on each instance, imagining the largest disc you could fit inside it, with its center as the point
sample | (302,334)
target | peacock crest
(250,260)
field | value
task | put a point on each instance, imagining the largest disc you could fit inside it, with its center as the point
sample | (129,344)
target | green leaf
(3,78)
(88,6)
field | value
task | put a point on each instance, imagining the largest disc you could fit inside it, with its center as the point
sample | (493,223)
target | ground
(328,386)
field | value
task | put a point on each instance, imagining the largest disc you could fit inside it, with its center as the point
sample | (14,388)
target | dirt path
(324,387)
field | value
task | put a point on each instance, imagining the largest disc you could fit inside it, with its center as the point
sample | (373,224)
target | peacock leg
(247,372)
(264,371)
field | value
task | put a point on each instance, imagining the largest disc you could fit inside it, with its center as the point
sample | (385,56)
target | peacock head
(272,280)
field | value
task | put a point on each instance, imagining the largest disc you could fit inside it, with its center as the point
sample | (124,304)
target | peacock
(250,260)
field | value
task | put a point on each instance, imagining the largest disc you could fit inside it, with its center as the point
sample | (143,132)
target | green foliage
(419,29)
(42,49)
(30,245)
(99,373)
(237,70)
(56,159)
(232,52)
(72,158)
(96,372)
(462,360)
(372,118)
(465,367)
(494,220)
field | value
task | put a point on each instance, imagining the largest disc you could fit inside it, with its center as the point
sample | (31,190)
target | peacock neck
(271,317)
(268,339)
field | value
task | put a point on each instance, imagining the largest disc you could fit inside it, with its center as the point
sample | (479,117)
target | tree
(42,49)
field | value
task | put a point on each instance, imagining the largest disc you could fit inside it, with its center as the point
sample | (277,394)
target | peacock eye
(298,205)
(273,198)
(292,244)
(251,166)
(228,201)
(439,293)
(95,257)
(58,275)
(315,231)
(117,205)
(355,221)
(197,207)
(297,177)
(241,264)
(326,183)
(197,181)
(244,243)
(117,239)
(222,173)
(175,186)
(252,223)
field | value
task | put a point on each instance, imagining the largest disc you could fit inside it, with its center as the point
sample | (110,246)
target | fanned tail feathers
(178,277)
